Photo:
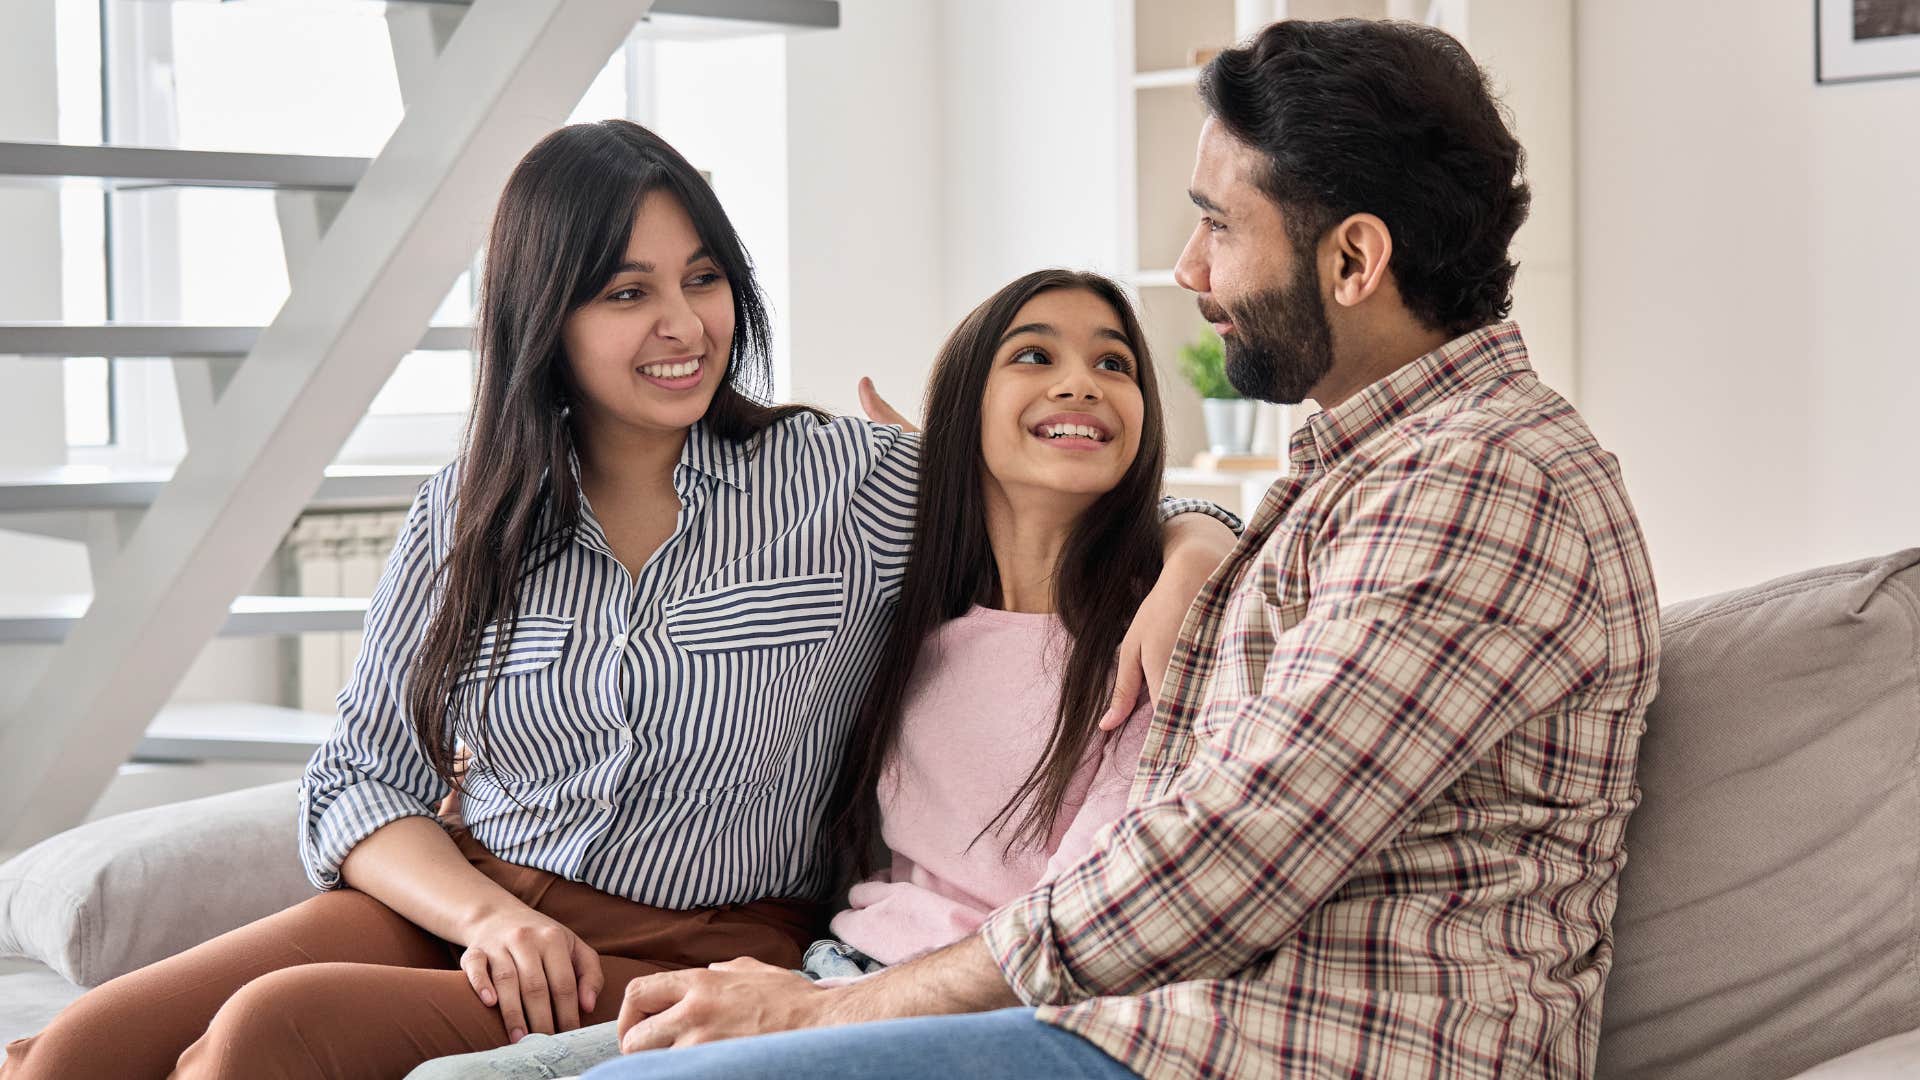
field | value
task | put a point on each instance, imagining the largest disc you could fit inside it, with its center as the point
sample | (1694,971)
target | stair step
(89,487)
(233,731)
(187,168)
(166,339)
(669,15)
(47,619)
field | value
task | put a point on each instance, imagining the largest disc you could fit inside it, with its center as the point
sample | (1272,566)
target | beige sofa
(1769,918)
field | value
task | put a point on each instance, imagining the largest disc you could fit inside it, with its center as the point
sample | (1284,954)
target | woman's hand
(542,977)
(877,408)
(1196,545)
(537,971)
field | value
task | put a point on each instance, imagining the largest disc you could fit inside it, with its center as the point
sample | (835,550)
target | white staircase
(163,340)
(372,247)
(183,168)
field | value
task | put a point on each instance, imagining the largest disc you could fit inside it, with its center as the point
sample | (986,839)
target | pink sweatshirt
(975,719)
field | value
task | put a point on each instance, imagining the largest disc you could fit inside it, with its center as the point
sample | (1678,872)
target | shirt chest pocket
(538,640)
(767,613)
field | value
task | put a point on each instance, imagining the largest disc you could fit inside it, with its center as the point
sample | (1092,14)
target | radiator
(336,554)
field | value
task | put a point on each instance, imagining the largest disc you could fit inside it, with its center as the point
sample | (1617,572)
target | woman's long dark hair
(1110,561)
(559,234)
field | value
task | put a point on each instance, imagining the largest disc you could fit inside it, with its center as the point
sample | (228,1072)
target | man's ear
(1360,248)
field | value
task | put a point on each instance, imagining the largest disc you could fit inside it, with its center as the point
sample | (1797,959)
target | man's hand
(1196,545)
(724,1001)
(746,997)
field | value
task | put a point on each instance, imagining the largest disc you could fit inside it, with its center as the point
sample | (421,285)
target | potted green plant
(1229,416)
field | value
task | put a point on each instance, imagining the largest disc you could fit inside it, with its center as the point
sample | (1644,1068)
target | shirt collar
(709,453)
(1466,363)
(705,452)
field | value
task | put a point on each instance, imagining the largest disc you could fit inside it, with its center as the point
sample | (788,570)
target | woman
(975,756)
(643,603)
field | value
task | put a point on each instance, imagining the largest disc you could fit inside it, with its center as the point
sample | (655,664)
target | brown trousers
(341,986)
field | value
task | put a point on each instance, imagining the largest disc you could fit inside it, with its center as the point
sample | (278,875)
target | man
(1378,824)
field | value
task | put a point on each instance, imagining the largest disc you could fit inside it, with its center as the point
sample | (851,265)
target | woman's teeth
(671,371)
(1072,431)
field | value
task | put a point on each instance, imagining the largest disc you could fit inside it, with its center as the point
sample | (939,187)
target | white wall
(865,174)
(937,149)
(1032,150)
(1747,246)
(1527,46)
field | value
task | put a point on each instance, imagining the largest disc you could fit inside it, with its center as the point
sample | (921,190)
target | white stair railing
(509,73)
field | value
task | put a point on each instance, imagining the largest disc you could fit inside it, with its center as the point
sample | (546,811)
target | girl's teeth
(1072,431)
(672,371)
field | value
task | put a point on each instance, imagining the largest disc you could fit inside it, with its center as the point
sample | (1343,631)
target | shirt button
(604,804)
(619,641)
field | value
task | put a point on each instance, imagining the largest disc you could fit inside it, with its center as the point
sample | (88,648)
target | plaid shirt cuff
(1020,936)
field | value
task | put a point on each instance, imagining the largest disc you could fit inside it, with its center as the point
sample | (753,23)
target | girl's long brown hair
(559,234)
(1111,560)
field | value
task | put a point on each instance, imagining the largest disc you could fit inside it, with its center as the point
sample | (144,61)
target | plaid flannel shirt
(1377,830)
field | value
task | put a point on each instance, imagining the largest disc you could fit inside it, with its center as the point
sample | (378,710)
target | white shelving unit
(1160,118)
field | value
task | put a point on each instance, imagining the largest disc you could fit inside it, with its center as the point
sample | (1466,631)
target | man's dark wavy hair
(1392,119)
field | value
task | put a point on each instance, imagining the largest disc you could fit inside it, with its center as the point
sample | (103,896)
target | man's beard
(1281,345)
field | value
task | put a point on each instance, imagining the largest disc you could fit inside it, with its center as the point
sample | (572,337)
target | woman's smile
(675,373)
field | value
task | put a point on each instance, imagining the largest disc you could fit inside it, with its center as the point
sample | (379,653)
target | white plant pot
(1230,423)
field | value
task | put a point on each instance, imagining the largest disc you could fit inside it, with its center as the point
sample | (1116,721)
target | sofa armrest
(117,894)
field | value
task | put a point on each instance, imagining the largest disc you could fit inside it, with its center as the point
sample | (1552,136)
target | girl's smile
(1062,409)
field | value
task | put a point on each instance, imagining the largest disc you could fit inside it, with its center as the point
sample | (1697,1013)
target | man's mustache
(1211,311)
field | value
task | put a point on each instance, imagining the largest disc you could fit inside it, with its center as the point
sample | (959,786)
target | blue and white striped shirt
(668,738)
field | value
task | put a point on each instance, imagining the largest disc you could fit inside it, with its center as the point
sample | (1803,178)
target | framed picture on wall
(1866,39)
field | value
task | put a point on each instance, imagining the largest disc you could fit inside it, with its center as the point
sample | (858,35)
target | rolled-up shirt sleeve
(1453,597)
(370,771)
(1171,508)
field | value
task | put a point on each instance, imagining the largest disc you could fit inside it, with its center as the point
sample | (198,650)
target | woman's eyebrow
(633,267)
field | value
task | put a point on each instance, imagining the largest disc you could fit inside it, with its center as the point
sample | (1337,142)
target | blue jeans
(1006,1045)
(548,1057)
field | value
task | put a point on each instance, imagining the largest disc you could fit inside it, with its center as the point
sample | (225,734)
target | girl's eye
(1116,363)
(631,292)
(706,279)
(1030,356)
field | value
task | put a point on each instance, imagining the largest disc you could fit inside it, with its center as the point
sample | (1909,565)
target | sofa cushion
(1894,1058)
(119,893)
(1767,916)
(30,995)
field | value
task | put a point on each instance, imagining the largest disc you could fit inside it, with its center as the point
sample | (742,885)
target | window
(312,79)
